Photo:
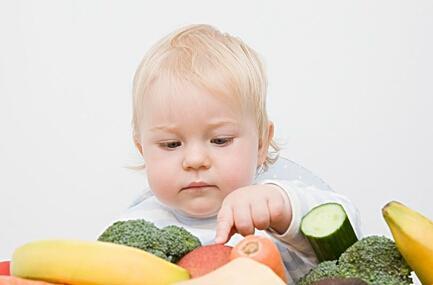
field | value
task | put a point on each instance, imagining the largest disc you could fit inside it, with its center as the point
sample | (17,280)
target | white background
(350,92)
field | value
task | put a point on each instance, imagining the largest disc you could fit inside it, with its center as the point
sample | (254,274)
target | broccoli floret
(373,259)
(377,278)
(179,241)
(169,243)
(375,256)
(326,269)
(136,233)
(340,281)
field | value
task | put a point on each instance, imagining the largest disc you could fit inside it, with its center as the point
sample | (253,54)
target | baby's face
(197,148)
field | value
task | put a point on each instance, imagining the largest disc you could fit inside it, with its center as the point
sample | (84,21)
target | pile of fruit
(137,252)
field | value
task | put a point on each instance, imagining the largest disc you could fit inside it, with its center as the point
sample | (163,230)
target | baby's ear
(265,142)
(139,147)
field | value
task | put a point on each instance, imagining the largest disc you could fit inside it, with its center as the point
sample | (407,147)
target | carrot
(12,280)
(263,250)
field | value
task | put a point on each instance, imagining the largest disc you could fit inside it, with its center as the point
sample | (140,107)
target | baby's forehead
(168,91)
(168,104)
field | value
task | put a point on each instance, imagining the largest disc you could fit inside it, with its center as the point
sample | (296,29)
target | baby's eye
(171,145)
(221,141)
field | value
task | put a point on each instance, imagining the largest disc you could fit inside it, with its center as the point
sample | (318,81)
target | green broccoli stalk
(170,243)
(373,259)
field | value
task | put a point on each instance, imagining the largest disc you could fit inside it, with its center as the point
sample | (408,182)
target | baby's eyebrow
(209,125)
(169,128)
(222,123)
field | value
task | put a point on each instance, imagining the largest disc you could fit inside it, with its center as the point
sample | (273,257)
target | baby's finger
(260,214)
(224,225)
(276,210)
(243,220)
(231,233)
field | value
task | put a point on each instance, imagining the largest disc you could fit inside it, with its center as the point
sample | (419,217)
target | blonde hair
(219,62)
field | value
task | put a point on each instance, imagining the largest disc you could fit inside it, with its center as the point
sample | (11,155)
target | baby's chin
(201,209)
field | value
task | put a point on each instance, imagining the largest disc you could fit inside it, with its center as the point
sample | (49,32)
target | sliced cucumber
(328,230)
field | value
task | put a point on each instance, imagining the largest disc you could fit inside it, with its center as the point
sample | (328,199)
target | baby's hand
(250,207)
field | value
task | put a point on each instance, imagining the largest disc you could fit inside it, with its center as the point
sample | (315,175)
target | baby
(200,124)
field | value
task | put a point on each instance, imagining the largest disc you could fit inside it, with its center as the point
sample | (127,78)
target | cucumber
(328,230)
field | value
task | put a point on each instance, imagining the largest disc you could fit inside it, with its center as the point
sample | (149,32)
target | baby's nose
(195,158)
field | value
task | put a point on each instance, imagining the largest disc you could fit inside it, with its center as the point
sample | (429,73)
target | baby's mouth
(197,186)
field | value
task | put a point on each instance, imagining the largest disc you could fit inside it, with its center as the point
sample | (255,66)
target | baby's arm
(302,199)
(278,207)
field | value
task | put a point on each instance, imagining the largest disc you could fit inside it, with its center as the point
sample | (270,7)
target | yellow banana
(413,235)
(92,263)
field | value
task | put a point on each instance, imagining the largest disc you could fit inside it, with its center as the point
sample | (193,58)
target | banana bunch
(413,235)
(92,263)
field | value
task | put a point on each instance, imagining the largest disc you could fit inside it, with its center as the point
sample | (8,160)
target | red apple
(4,267)
(205,259)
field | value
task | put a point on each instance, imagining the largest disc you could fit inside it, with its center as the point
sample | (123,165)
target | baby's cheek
(160,183)
(238,176)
